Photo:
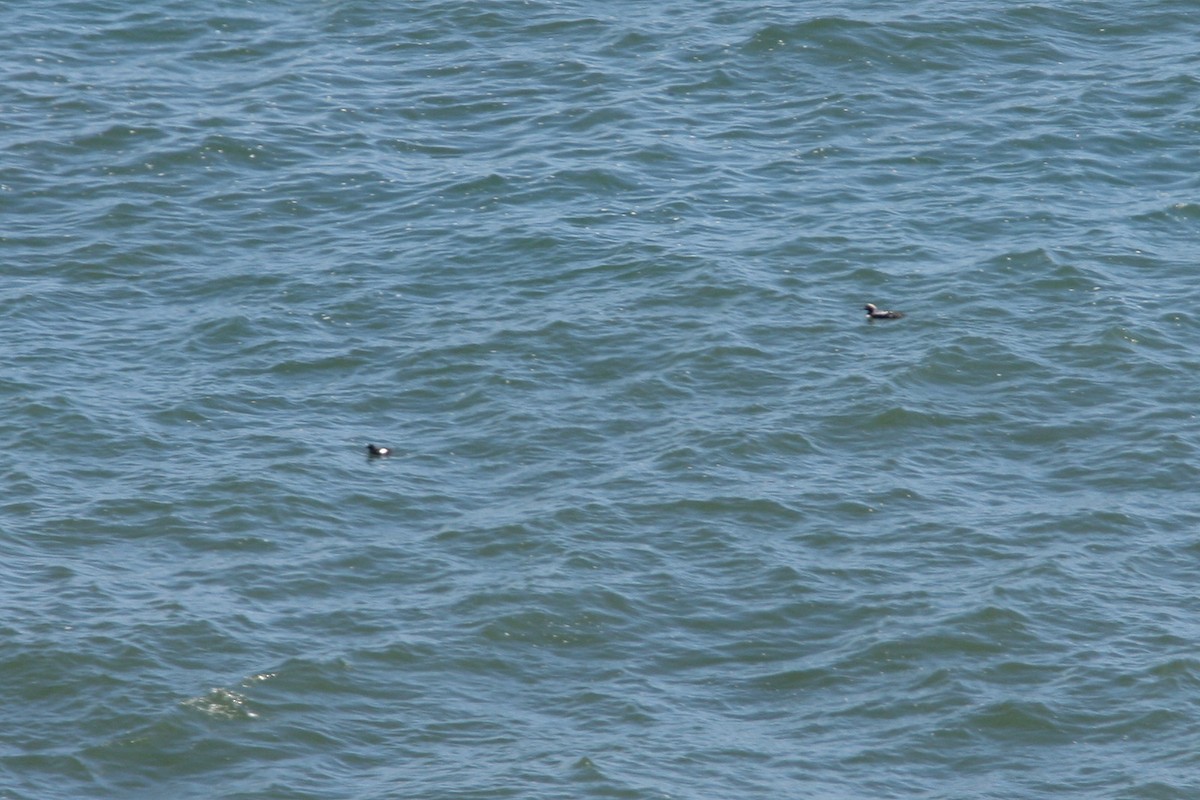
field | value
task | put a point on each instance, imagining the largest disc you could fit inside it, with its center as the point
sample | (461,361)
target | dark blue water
(668,517)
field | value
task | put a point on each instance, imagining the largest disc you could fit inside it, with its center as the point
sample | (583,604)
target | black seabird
(875,313)
(378,452)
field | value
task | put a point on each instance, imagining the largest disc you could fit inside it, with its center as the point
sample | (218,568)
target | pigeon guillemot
(378,452)
(875,313)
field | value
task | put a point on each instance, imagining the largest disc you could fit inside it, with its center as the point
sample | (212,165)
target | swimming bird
(875,313)
(378,452)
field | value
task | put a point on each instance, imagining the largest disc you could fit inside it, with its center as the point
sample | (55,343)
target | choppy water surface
(669,517)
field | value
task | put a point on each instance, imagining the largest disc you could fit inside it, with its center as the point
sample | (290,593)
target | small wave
(223,704)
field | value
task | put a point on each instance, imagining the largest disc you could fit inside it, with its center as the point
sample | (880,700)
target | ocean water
(668,516)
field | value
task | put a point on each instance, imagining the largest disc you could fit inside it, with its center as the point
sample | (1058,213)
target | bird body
(875,313)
